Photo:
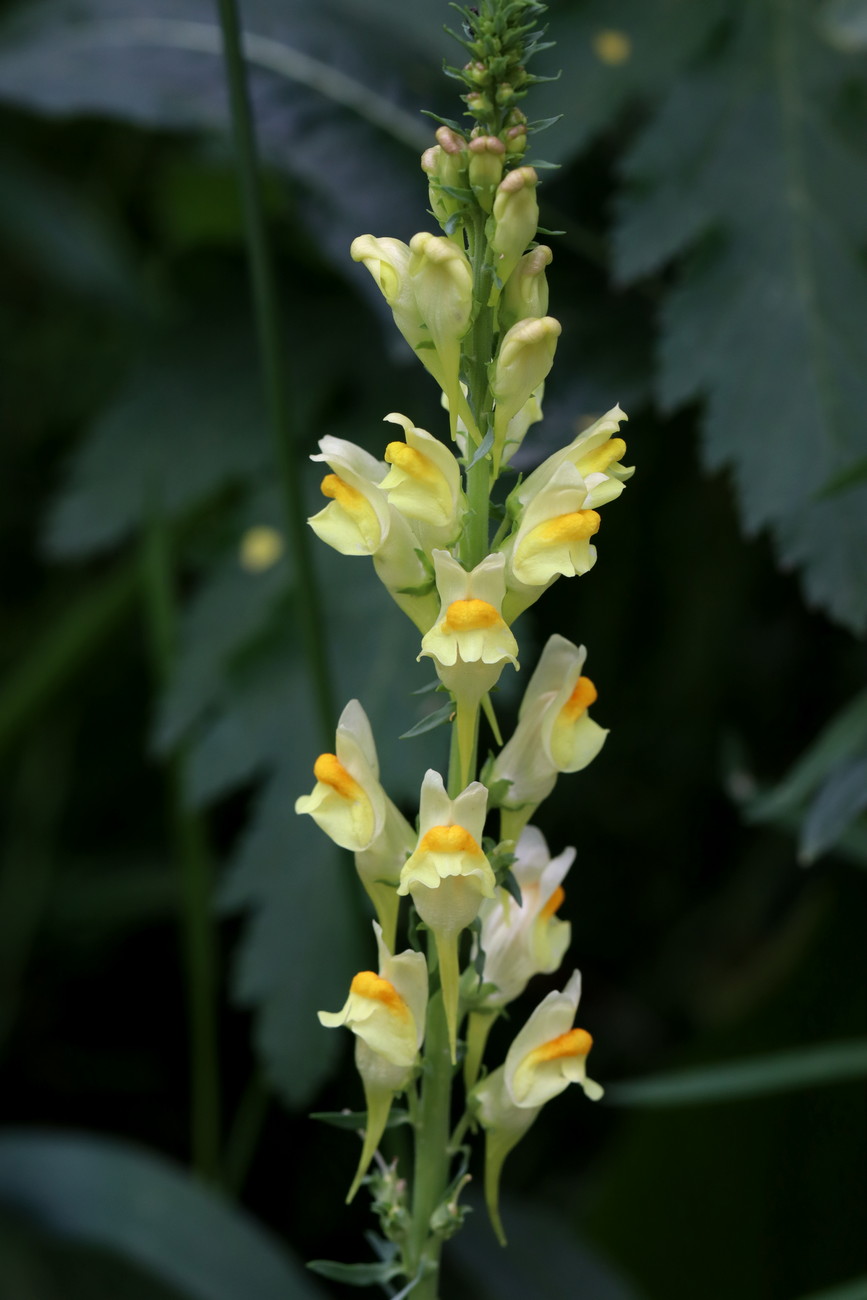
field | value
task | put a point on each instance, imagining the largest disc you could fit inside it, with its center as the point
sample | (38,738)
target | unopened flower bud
(526,355)
(526,290)
(516,142)
(479,105)
(505,91)
(442,282)
(487,153)
(514,219)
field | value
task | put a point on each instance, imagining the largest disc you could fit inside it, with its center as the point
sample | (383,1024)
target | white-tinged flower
(424,483)
(555,732)
(546,1056)
(359,520)
(388,260)
(349,804)
(448,875)
(526,939)
(386,1012)
(596,454)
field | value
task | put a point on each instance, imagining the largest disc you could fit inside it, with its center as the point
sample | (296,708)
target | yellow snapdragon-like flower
(469,642)
(448,875)
(424,483)
(359,520)
(386,1012)
(350,806)
(596,454)
(552,538)
(555,732)
(546,1056)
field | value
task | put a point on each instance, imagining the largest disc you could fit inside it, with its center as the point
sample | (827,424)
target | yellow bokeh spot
(448,839)
(470,616)
(582,697)
(601,457)
(366,984)
(261,547)
(576,526)
(611,46)
(330,771)
(577,1042)
(412,462)
(554,903)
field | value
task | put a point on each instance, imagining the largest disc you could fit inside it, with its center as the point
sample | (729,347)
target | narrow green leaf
(433,720)
(109,1193)
(840,801)
(483,448)
(755,1077)
(838,741)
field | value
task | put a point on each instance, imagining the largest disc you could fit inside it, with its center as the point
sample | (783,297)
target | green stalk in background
(273,348)
(194,860)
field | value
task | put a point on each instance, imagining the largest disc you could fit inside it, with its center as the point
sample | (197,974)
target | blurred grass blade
(67,641)
(754,1077)
(111,1194)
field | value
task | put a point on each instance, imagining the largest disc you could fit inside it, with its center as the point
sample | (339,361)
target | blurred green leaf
(321,89)
(36,1266)
(108,1193)
(65,237)
(854,1290)
(840,801)
(543,1258)
(614,53)
(187,422)
(844,23)
(744,167)
(805,1068)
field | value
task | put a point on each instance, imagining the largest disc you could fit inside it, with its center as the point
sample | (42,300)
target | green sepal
(357,1119)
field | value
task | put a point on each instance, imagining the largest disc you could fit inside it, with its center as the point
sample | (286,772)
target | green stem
(432,1157)
(192,854)
(273,349)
